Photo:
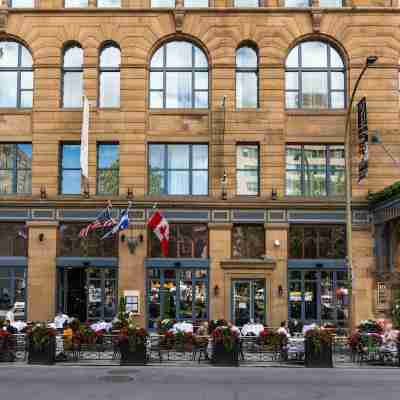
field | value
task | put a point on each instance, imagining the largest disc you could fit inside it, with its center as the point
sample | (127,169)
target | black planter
(129,356)
(223,357)
(7,348)
(318,356)
(44,354)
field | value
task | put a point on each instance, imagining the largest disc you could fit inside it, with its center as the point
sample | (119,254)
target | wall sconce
(274,194)
(129,193)
(216,290)
(277,243)
(280,291)
(41,237)
(141,238)
(43,194)
(123,237)
(224,181)
(86,193)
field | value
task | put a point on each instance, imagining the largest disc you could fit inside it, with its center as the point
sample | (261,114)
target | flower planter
(44,353)
(132,356)
(318,355)
(223,357)
(7,348)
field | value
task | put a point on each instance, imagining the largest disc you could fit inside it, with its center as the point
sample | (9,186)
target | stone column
(220,248)
(41,293)
(276,245)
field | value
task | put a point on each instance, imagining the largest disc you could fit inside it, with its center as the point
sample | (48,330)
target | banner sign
(362,139)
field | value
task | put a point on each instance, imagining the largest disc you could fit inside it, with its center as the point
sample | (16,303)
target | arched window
(179,76)
(110,62)
(72,76)
(315,77)
(246,77)
(16,75)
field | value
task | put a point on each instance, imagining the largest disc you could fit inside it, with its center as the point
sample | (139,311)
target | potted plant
(318,348)
(226,346)
(132,342)
(184,341)
(7,348)
(41,345)
(165,325)
(272,341)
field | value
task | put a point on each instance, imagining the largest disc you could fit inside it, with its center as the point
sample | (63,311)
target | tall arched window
(246,77)
(179,76)
(72,76)
(110,62)
(315,77)
(16,75)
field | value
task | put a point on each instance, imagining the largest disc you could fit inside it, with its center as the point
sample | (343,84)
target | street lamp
(370,60)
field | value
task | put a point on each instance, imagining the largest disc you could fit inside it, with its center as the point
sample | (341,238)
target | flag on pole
(122,224)
(159,225)
(103,220)
(85,141)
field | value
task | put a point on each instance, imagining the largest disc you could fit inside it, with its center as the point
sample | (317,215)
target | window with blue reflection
(108,3)
(22,3)
(110,71)
(76,3)
(72,76)
(70,168)
(16,75)
(246,3)
(163,3)
(196,3)
(179,76)
(178,169)
(247,170)
(246,77)
(297,3)
(107,168)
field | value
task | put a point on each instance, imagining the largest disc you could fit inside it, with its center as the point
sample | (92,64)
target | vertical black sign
(362,139)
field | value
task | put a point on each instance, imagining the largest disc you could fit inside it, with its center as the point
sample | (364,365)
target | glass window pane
(246,57)
(73,57)
(108,181)
(23,3)
(292,80)
(110,57)
(200,60)
(315,170)
(196,3)
(292,100)
(8,89)
(310,300)
(110,89)
(6,181)
(337,170)
(330,3)
(201,80)
(24,156)
(297,3)
(156,99)
(247,156)
(27,80)
(292,60)
(156,181)
(200,183)
(163,3)
(26,57)
(315,89)
(71,182)
(178,156)
(24,181)
(157,156)
(200,156)
(337,99)
(314,54)
(8,54)
(179,90)
(246,3)
(247,183)
(201,99)
(108,156)
(293,183)
(246,90)
(336,60)
(157,61)
(248,241)
(108,3)
(178,182)
(71,156)
(156,80)
(179,54)
(26,99)
(7,156)
(337,79)
(76,3)
(72,89)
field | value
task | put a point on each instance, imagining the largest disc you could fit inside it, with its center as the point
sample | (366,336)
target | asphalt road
(191,383)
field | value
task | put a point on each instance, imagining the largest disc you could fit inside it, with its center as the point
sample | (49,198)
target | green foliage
(389,192)
(396,311)
(122,315)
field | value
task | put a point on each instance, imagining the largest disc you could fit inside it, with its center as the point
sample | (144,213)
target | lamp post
(370,60)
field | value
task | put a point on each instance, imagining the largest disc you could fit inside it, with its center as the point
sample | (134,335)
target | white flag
(85,138)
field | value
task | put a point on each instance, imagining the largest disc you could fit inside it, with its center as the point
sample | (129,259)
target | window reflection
(12,292)
(72,75)
(110,61)
(108,168)
(70,169)
(248,241)
(247,169)
(14,239)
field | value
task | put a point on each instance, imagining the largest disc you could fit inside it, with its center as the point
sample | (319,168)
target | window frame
(10,4)
(185,6)
(238,144)
(119,6)
(299,70)
(61,169)
(19,69)
(166,170)
(248,245)
(99,170)
(193,69)
(328,182)
(65,5)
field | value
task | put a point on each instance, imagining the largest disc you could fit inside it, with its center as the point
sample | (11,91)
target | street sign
(362,139)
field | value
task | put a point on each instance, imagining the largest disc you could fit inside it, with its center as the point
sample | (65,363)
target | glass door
(248,301)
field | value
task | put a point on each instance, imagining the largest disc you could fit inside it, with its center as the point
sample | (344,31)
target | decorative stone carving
(316,16)
(179,16)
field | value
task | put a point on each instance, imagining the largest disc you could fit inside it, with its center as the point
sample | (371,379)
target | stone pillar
(131,274)
(276,245)
(220,248)
(41,293)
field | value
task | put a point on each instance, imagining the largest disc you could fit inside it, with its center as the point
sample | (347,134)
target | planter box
(223,358)
(42,354)
(7,348)
(318,357)
(136,357)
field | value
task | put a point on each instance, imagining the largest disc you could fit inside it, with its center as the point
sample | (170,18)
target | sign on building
(362,139)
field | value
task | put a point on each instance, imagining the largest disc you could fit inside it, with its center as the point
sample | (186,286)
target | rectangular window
(15,168)
(318,241)
(70,173)
(14,239)
(315,170)
(72,89)
(247,170)
(163,3)
(76,3)
(248,241)
(330,3)
(178,169)
(108,168)
(297,3)
(196,3)
(108,3)
(13,291)
(185,241)
(22,3)
(246,3)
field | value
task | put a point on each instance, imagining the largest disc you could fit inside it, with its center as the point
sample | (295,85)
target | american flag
(102,221)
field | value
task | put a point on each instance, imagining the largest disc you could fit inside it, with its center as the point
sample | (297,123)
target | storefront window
(248,241)
(14,239)
(319,241)
(178,293)
(12,291)
(71,245)
(185,240)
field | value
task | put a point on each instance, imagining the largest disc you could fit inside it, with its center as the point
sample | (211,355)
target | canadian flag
(159,225)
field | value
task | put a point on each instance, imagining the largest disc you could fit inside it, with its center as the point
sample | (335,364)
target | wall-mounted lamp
(224,181)
(141,238)
(274,194)
(43,194)
(41,237)
(123,237)
(216,290)
(277,243)
(86,193)
(280,291)
(129,193)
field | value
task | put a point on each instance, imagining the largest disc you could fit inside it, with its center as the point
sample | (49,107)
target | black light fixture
(274,194)
(280,291)
(371,60)
(216,290)
(123,237)
(129,193)
(141,238)
(224,181)
(43,194)
(41,237)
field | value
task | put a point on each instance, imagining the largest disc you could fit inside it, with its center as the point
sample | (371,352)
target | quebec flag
(122,224)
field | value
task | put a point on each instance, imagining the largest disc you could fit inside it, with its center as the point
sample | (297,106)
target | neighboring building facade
(183,94)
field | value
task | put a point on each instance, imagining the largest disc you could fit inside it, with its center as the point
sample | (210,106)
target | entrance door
(76,293)
(248,301)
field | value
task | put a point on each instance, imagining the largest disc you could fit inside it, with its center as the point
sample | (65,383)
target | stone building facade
(232,160)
